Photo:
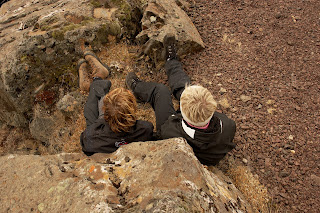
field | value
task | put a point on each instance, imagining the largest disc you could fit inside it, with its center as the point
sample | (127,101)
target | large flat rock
(159,176)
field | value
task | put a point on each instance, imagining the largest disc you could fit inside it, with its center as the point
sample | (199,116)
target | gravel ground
(262,62)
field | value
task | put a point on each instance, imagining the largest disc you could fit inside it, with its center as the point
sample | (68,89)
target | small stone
(290,137)
(292,151)
(269,102)
(267,162)
(245,127)
(41,207)
(222,91)
(278,15)
(284,174)
(218,74)
(224,103)
(259,106)
(245,98)
(245,161)
(288,146)
(153,18)
(315,180)
(271,110)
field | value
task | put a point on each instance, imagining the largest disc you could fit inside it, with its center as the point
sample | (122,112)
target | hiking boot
(169,43)
(98,68)
(84,79)
(132,80)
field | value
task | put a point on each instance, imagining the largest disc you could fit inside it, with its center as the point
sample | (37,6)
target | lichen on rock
(138,177)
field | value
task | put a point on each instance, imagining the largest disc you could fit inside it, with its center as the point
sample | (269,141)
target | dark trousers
(98,89)
(159,96)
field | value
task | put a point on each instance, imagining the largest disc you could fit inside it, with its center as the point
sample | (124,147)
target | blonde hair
(120,107)
(197,105)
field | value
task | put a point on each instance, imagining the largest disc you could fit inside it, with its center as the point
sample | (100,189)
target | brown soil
(269,51)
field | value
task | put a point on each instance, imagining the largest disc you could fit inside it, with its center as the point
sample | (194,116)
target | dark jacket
(98,137)
(209,146)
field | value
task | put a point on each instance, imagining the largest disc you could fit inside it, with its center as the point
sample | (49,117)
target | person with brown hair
(110,116)
(207,131)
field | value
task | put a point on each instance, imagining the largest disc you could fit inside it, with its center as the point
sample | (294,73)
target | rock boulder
(159,176)
(161,17)
(41,42)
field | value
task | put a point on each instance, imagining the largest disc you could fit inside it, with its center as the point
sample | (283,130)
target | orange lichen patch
(106,177)
(92,169)
(96,173)
(122,172)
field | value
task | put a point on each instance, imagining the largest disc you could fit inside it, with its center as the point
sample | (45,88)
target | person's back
(209,133)
(110,116)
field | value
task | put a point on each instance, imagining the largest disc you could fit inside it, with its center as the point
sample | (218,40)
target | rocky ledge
(159,176)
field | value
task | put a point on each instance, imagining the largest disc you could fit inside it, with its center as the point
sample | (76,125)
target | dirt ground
(262,61)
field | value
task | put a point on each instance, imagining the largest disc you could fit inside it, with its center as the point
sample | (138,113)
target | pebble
(41,207)
(245,98)
(284,174)
(234,109)
(224,103)
(245,161)
(288,146)
(315,180)
(290,137)
(222,91)
(244,127)
(153,18)
(267,162)
(259,106)
(271,110)
(269,102)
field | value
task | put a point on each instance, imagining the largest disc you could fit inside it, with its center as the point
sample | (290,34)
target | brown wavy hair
(120,107)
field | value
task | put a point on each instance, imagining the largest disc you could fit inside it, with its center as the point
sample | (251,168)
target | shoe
(84,79)
(98,68)
(169,43)
(132,80)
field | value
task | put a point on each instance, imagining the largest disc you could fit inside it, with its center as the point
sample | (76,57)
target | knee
(162,89)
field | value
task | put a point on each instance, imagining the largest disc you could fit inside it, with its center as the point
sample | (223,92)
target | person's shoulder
(221,116)
(175,117)
(226,122)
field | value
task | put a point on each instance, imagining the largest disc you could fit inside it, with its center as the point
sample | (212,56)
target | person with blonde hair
(207,131)
(110,115)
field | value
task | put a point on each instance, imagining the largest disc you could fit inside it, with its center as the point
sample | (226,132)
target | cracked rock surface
(150,176)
